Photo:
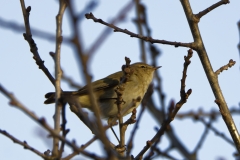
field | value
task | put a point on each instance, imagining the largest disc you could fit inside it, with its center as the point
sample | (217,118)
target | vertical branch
(33,46)
(58,75)
(239,36)
(160,115)
(127,72)
(139,12)
(211,76)
(84,60)
(64,130)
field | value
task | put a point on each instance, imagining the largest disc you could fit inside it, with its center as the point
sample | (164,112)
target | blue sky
(20,74)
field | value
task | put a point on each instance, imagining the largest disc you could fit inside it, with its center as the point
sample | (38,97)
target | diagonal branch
(102,37)
(24,144)
(211,76)
(212,7)
(82,147)
(33,47)
(14,102)
(225,67)
(131,34)
(172,111)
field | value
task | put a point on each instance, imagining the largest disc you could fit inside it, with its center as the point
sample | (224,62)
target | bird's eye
(143,66)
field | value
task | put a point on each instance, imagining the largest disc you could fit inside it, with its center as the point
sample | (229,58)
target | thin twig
(148,39)
(133,132)
(32,44)
(127,72)
(139,22)
(19,28)
(239,36)
(63,129)
(222,135)
(212,7)
(64,77)
(172,111)
(213,114)
(103,36)
(84,62)
(44,124)
(203,137)
(81,148)
(161,153)
(24,144)
(225,67)
(151,152)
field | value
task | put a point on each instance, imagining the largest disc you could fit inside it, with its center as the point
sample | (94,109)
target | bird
(104,91)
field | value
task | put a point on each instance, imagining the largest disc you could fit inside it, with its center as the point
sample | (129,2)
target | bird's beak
(157,67)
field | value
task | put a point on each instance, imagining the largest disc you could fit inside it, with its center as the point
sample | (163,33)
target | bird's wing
(107,82)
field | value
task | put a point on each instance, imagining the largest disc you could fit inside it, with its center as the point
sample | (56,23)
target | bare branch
(84,61)
(229,65)
(222,135)
(239,36)
(213,114)
(211,76)
(81,148)
(133,133)
(140,12)
(58,75)
(19,28)
(24,144)
(148,39)
(212,7)
(172,111)
(44,124)
(119,17)
(33,47)
(203,137)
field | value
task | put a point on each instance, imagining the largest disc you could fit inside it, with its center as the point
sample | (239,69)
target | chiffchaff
(104,90)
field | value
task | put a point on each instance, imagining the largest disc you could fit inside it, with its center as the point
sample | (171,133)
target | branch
(24,144)
(140,12)
(239,36)
(222,135)
(229,65)
(63,129)
(58,75)
(84,146)
(84,62)
(200,113)
(127,73)
(148,39)
(162,153)
(64,77)
(19,28)
(44,124)
(172,111)
(133,133)
(204,12)
(33,47)
(102,37)
(203,137)
(211,76)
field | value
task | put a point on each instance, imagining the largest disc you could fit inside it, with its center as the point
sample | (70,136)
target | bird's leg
(110,124)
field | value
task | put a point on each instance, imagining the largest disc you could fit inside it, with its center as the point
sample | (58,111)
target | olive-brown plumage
(104,90)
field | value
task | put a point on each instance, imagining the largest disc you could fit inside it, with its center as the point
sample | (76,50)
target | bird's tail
(51,97)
